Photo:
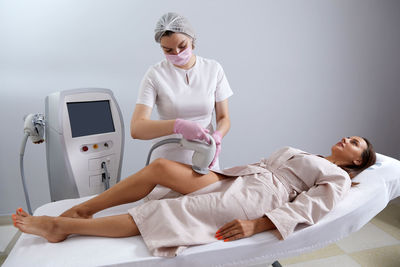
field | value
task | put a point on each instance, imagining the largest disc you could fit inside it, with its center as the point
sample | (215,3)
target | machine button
(95,146)
(85,148)
(106,144)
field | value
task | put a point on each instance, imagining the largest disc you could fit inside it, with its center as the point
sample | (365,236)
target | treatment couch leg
(276,264)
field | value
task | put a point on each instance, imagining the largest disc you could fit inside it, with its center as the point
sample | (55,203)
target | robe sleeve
(310,206)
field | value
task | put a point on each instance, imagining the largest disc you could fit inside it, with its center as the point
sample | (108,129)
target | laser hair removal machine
(84,142)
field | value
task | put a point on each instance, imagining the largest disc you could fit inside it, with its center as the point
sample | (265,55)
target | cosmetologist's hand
(190,130)
(218,138)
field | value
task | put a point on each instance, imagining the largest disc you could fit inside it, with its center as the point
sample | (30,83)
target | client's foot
(43,226)
(78,211)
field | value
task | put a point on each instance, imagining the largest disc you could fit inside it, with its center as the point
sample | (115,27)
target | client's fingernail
(220,237)
(13,216)
(15,224)
(226,240)
(20,209)
(218,231)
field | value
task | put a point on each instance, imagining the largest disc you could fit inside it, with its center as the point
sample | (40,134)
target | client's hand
(238,229)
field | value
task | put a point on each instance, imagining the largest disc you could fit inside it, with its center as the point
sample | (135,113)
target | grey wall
(304,73)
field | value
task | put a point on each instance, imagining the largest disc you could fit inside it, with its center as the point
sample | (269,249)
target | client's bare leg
(177,176)
(57,229)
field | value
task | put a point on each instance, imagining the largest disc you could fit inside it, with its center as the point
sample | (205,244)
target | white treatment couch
(378,185)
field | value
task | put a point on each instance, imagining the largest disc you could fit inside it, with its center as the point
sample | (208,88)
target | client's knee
(160,164)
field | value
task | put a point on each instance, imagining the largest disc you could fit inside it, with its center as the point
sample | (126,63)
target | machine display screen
(93,117)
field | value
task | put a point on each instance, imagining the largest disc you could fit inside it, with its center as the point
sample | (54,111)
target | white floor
(7,233)
(339,261)
(369,237)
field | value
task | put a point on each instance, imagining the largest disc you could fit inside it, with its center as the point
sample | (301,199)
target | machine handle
(200,146)
(203,152)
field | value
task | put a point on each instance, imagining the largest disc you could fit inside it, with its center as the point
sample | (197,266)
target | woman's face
(175,43)
(350,149)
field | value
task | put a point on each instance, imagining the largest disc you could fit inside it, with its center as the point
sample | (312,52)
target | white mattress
(378,185)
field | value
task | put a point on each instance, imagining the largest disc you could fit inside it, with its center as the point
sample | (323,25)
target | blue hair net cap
(173,22)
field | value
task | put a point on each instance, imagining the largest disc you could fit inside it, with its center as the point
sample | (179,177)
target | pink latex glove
(218,138)
(191,130)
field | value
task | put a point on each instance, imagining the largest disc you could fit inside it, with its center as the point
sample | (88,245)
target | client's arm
(310,206)
(244,228)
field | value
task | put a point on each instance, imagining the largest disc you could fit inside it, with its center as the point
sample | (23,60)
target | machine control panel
(96,147)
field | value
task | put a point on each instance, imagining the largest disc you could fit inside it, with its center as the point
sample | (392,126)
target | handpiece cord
(21,167)
(162,142)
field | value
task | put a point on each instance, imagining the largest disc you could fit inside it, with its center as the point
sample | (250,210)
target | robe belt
(288,185)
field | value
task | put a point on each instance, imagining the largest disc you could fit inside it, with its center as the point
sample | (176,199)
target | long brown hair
(368,157)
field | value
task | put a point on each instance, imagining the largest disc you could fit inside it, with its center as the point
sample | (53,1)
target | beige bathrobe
(290,187)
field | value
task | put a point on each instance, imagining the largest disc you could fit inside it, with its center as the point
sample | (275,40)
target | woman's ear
(357,162)
(192,41)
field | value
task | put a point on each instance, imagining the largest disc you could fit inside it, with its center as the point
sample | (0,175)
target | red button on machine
(85,148)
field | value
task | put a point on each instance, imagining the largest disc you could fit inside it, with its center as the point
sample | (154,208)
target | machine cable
(33,128)
(21,167)
(162,142)
(202,156)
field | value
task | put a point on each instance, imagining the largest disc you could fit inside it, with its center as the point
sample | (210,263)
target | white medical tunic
(185,94)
